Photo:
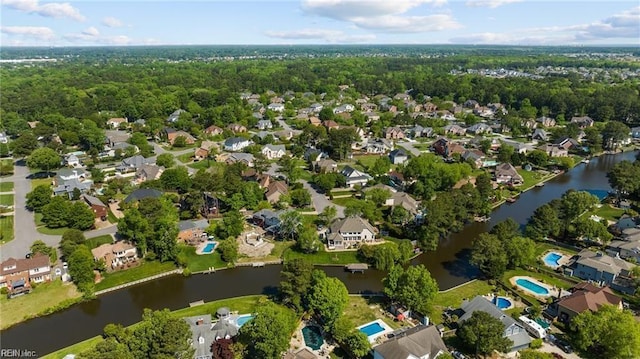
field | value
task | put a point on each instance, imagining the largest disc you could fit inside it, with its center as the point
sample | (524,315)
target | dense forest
(100,80)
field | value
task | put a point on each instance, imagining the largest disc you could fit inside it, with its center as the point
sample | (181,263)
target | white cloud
(35,32)
(330,36)
(625,25)
(381,15)
(111,22)
(52,9)
(490,3)
(92,36)
(91,31)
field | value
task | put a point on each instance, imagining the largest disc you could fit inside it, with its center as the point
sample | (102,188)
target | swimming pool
(209,248)
(502,302)
(372,329)
(312,337)
(242,319)
(551,259)
(532,286)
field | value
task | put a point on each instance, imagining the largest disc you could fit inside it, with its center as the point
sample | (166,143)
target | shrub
(536,344)
(186,272)
(4,290)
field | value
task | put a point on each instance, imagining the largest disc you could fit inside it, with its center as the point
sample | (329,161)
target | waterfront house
(349,232)
(507,174)
(635,132)
(554,150)
(115,255)
(600,268)
(22,272)
(586,296)
(190,230)
(512,329)
(354,177)
(421,342)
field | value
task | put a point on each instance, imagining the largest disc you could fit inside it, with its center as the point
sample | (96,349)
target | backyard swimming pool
(552,259)
(532,286)
(312,337)
(375,329)
(372,329)
(242,319)
(210,247)
(502,302)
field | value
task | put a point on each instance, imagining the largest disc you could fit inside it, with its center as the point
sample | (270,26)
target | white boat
(586,161)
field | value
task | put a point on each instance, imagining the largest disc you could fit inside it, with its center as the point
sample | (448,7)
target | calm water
(449,265)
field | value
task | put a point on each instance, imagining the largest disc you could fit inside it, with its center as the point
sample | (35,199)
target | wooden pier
(357,267)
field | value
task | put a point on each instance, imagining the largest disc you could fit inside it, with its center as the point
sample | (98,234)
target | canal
(448,265)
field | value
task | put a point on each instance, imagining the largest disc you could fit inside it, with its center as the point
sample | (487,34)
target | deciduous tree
(44,159)
(484,334)
(268,334)
(610,331)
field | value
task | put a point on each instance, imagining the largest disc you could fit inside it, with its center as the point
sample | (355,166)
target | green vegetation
(324,257)
(6,186)
(44,299)
(6,228)
(144,270)
(40,181)
(361,310)
(453,297)
(544,278)
(531,178)
(607,212)
(52,231)
(280,247)
(195,262)
(344,201)
(95,242)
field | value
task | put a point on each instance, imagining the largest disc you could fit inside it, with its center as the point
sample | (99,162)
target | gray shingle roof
(417,342)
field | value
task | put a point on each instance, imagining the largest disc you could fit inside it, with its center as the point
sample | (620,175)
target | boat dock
(357,267)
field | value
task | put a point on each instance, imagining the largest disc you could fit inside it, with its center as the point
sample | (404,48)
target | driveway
(550,348)
(284,125)
(409,147)
(320,201)
(24,229)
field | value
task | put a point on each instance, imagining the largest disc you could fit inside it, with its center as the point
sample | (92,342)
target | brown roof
(587,296)
(37,261)
(277,186)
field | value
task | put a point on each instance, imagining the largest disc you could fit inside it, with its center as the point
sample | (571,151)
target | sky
(259,22)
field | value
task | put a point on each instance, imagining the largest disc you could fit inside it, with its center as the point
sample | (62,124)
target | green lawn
(276,253)
(531,178)
(607,212)
(40,181)
(544,278)
(6,229)
(52,231)
(45,297)
(453,298)
(363,310)
(196,263)
(146,269)
(322,257)
(247,304)
(367,160)
(99,240)
(345,201)
(6,200)
(6,186)
(185,158)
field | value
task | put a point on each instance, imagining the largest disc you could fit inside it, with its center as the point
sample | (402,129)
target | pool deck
(490,297)
(374,337)
(553,291)
(201,246)
(564,259)
(297,343)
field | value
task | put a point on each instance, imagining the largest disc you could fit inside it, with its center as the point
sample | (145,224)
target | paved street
(320,201)
(409,147)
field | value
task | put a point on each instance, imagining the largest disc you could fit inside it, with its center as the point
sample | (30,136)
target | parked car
(456,354)
(58,272)
(564,346)
(65,265)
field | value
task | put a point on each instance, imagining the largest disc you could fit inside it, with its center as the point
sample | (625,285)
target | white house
(115,122)
(350,231)
(71,160)
(273,151)
(236,144)
(3,138)
(276,107)
(344,108)
(354,177)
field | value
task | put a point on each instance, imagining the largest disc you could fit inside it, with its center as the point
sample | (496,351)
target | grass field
(606,211)
(364,310)
(196,263)
(185,158)
(322,257)
(6,200)
(52,231)
(45,296)
(146,269)
(247,304)
(99,240)
(40,181)
(531,178)
(6,228)
(345,201)
(453,298)
(6,186)
(544,278)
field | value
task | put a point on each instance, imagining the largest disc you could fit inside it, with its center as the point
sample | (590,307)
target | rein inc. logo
(17,353)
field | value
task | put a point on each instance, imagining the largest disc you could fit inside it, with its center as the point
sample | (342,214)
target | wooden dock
(357,267)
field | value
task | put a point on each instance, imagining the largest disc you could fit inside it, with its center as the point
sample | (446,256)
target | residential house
(314,121)
(202,337)
(272,152)
(22,272)
(635,132)
(540,135)
(419,131)
(133,163)
(471,104)
(347,107)
(627,221)
(506,173)
(529,124)
(141,194)
(599,267)
(583,121)
(379,146)
(116,122)
(479,129)
(402,97)
(264,125)
(114,137)
(512,329)
(393,133)
(67,181)
(71,160)
(454,130)
(325,165)
(316,107)
(586,296)
(398,156)
(475,156)
(484,112)
(213,130)
(3,137)
(404,200)
(330,125)
(447,148)
(554,150)
(206,149)
(391,190)
(148,172)
(100,210)
(519,147)
(420,342)
(192,231)
(115,255)
(350,232)
(236,128)
(236,143)
(546,121)
(275,190)
(276,107)
(231,158)
(173,134)
(175,115)
(354,177)
(626,249)
(371,116)
(267,219)
(567,143)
